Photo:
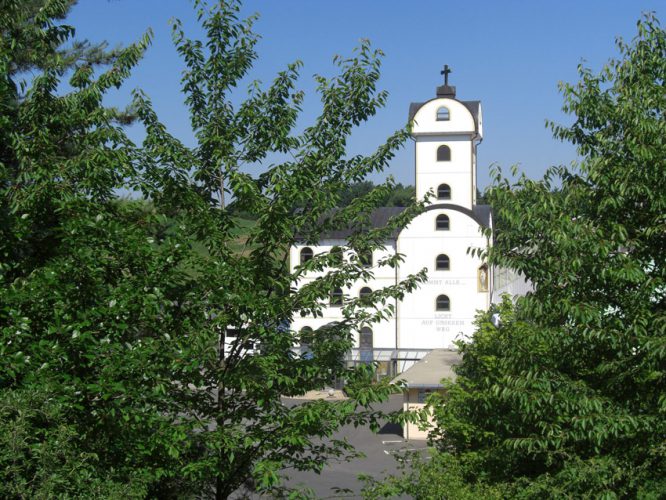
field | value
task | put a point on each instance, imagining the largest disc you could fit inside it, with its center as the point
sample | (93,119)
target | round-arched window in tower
(442,223)
(443,114)
(442,262)
(443,303)
(443,192)
(443,153)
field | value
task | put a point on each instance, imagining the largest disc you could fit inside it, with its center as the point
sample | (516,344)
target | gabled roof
(483,214)
(378,218)
(431,369)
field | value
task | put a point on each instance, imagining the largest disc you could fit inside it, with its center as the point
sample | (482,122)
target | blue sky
(509,54)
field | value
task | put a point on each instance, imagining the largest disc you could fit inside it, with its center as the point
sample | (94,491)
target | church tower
(447,132)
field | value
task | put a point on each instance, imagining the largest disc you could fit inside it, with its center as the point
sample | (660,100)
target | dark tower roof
(446,91)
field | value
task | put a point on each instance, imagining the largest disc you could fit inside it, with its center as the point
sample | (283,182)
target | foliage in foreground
(430,475)
(567,398)
(135,364)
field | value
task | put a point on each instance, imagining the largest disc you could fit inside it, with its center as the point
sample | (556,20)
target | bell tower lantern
(447,132)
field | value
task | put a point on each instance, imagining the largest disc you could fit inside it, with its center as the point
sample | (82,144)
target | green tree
(397,196)
(20,29)
(436,475)
(400,196)
(567,397)
(134,364)
(354,191)
(62,158)
(481,198)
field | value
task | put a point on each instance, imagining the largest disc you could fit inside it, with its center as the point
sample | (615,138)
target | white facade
(446,133)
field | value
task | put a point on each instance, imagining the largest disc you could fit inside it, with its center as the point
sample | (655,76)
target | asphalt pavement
(379,460)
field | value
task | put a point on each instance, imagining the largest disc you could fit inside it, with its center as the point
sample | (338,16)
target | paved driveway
(378,448)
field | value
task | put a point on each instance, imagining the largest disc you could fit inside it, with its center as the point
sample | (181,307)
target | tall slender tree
(62,159)
(133,363)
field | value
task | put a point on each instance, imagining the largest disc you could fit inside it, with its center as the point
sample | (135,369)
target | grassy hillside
(241,234)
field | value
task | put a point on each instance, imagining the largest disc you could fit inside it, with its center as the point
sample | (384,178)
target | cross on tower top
(446,90)
(446,72)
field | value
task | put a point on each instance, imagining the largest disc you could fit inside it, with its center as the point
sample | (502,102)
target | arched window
(443,114)
(364,294)
(365,344)
(443,153)
(336,298)
(336,253)
(442,222)
(443,303)
(442,263)
(365,258)
(306,254)
(443,192)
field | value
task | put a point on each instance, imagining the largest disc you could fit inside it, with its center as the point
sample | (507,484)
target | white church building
(446,133)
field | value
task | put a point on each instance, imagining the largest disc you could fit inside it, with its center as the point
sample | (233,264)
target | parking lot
(379,450)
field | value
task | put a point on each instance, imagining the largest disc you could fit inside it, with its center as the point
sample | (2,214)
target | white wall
(420,325)
(511,282)
(384,332)
(411,403)
(457,173)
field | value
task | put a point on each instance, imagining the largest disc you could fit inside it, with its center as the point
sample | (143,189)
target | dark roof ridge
(379,217)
